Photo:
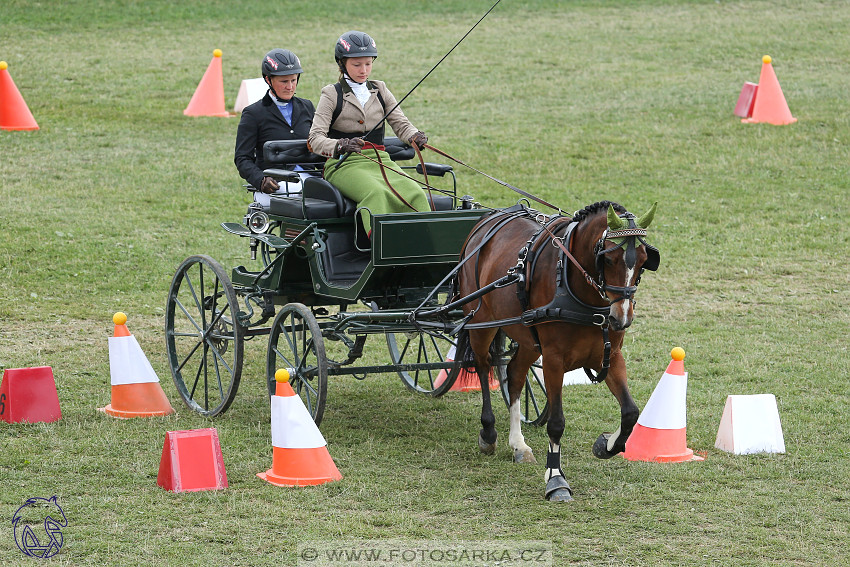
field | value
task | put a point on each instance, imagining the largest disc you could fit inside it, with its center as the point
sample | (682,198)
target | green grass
(574,101)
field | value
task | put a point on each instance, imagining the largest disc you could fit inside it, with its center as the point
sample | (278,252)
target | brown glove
(269,185)
(348,145)
(419,139)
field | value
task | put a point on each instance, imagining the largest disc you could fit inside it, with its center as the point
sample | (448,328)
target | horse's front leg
(557,488)
(609,444)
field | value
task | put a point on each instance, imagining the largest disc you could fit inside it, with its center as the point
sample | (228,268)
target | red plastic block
(746,100)
(192,461)
(29,394)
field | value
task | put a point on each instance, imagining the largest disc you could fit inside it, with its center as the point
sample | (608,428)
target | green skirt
(360,179)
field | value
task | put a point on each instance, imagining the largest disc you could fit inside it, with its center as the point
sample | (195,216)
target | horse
(576,278)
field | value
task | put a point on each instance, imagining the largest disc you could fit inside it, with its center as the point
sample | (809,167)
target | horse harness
(565,306)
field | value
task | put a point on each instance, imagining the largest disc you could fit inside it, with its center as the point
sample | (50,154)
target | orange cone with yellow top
(135,386)
(659,435)
(14,112)
(770,105)
(208,99)
(299,451)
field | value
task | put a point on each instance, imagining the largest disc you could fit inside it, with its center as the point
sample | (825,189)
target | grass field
(575,101)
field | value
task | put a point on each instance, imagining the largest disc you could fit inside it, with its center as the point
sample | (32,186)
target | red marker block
(191,461)
(29,394)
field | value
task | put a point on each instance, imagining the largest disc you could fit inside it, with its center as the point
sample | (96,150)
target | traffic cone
(659,435)
(29,394)
(14,112)
(770,105)
(208,99)
(299,451)
(135,386)
(750,424)
(191,461)
(467,380)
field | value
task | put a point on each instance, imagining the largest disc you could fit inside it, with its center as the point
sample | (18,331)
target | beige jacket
(355,119)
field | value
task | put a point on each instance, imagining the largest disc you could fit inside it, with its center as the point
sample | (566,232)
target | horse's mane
(582,214)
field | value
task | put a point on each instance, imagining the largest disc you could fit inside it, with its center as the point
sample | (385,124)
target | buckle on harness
(601,321)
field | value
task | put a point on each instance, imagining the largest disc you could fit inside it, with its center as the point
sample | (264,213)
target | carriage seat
(319,199)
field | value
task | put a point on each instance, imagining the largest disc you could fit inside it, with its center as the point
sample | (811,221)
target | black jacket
(261,122)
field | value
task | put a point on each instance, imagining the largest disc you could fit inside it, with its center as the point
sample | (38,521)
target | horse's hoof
(486,448)
(600,447)
(557,490)
(525,456)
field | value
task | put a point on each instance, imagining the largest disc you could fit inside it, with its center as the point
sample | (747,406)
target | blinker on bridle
(630,235)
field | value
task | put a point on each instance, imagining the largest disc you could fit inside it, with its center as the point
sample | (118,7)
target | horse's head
(622,254)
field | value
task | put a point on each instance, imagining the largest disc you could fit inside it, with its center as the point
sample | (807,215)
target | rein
(499,181)
(428,186)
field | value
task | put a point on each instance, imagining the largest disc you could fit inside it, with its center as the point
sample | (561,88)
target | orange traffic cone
(299,452)
(770,105)
(208,99)
(467,380)
(659,435)
(14,112)
(135,386)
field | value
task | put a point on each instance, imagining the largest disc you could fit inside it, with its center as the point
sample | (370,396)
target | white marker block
(750,424)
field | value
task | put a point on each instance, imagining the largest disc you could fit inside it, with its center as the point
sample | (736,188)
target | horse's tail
(466,356)
(463,351)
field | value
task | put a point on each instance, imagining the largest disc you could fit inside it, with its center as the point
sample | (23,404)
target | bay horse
(572,304)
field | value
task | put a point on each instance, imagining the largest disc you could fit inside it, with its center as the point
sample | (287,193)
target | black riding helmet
(354,44)
(281,62)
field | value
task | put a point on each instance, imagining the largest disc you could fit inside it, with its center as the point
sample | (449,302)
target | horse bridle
(630,234)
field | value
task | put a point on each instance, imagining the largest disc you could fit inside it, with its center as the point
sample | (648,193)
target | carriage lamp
(467,202)
(256,218)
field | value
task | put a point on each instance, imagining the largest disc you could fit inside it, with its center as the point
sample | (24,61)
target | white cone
(250,91)
(577,376)
(750,424)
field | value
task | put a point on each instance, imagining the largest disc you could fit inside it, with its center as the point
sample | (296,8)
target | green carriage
(317,279)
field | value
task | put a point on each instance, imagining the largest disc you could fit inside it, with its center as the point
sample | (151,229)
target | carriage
(320,281)
(544,294)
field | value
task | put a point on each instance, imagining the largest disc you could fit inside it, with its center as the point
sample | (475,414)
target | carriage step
(270,239)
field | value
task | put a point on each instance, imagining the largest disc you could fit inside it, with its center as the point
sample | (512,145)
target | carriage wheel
(296,344)
(534,407)
(203,337)
(417,347)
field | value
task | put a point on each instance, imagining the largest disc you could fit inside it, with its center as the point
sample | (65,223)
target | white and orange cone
(299,451)
(135,386)
(659,435)
(467,380)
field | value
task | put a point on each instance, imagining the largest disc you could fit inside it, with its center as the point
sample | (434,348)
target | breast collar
(565,306)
